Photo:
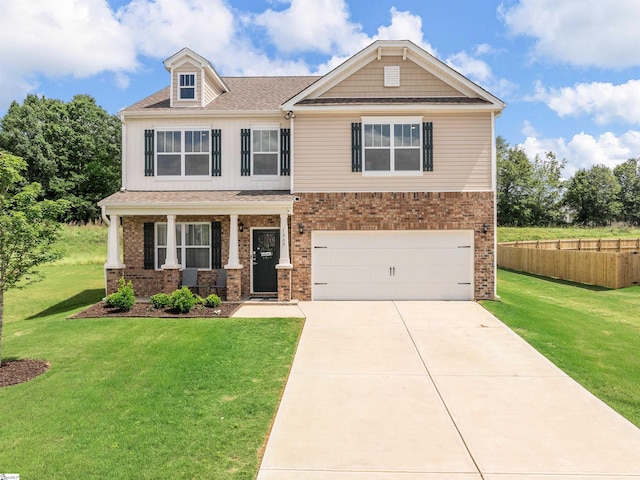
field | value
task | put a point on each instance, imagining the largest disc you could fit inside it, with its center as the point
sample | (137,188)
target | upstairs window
(183,152)
(265,151)
(392,145)
(187,88)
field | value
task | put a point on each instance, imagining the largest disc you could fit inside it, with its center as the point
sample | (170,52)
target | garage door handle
(320,283)
(464,283)
(392,271)
(464,246)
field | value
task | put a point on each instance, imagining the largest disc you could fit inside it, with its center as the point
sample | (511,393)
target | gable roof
(471,94)
(187,54)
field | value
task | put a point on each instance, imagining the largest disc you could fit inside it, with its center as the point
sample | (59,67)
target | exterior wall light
(485,228)
(301,228)
(241,227)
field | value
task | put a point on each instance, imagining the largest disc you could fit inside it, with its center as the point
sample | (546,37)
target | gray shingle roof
(195,197)
(245,93)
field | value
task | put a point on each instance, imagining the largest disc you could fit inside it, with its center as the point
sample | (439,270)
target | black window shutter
(285,151)
(148,153)
(245,152)
(149,248)
(427,146)
(216,245)
(356,147)
(216,153)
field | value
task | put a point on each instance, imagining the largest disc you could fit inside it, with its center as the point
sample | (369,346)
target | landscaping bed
(100,310)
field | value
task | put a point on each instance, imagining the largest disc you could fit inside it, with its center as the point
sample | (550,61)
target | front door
(266,254)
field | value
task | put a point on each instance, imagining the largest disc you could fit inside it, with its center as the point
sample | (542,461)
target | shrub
(160,300)
(124,299)
(212,301)
(182,300)
(199,300)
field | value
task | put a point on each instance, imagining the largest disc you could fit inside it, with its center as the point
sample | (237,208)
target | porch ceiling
(226,202)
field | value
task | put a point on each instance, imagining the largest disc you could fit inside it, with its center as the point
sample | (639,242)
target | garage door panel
(392,265)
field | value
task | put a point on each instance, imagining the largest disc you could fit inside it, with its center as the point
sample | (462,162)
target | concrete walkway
(436,390)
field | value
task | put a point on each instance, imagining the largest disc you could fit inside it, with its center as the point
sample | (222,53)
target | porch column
(171,260)
(284,261)
(113,244)
(234,258)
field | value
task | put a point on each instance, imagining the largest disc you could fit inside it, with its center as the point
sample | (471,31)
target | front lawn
(591,333)
(136,398)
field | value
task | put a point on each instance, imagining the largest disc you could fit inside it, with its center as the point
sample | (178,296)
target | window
(265,151)
(392,146)
(187,89)
(193,244)
(183,152)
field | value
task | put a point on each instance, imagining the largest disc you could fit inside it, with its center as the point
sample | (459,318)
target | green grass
(135,398)
(512,234)
(591,333)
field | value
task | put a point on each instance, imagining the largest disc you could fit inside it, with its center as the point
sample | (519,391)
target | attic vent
(392,76)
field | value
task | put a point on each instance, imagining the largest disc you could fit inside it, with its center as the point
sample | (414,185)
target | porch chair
(190,280)
(221,282)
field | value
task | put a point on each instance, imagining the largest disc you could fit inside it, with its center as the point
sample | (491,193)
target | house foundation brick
(172,277)
(395,211)
(113,279)
(284,284)
(234,284)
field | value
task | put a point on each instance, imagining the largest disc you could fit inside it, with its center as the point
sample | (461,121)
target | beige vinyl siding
(414,82)
(230,179)
(209,93)
(461,152)
(187,67)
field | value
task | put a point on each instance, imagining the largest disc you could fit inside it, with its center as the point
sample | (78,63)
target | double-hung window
(392,145)
(183,152)
(265,151)
(193,244)
(187,87)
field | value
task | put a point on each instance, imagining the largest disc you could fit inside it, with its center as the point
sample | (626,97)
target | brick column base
(171,280)
(284,284)
(234,284)
(113,276)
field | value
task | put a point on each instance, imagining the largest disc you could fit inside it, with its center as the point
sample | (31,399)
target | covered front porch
(245,233)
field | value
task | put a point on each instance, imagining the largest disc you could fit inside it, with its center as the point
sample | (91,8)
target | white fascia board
(398,109)
(217,208)
(187,112)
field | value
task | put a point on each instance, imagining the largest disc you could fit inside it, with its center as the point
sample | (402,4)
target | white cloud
(480,71)
(584,150)
(593,33)
(76,38)
(604,102)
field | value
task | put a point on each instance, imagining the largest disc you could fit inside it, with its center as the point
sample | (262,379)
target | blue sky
(569,70)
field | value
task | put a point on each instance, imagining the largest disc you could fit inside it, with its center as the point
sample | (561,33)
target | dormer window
(187,89)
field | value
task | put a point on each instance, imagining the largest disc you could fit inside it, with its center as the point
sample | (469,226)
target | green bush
(212,301)
(160,300)
(124,299)
(199,300)
(182,300)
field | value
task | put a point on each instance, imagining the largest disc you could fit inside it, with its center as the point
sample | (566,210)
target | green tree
(593,196)
(28,228)
(514,181)
(628,175)
(72,149)
(545,192)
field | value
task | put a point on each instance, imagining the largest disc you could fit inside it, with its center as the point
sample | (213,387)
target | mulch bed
(99,310)
(13,372)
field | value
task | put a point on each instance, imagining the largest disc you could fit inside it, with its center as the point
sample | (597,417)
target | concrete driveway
(436,390)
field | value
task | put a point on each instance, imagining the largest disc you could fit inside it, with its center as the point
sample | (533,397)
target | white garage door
(392,265)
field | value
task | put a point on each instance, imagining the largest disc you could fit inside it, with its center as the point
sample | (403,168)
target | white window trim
(195,87)
(273,126)
(391,121)
(182,244)
(182,131)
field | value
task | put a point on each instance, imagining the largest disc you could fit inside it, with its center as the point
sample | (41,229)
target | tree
(28,228)
(628,175)
(545,193)
(514,180)
(593,195)
(72,149)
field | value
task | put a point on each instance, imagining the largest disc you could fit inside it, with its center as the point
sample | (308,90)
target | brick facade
(323,211)
(395,211)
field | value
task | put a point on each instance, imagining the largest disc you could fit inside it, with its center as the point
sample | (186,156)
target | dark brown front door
(266,254)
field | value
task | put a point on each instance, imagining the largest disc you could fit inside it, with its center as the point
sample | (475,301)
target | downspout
(494,186)
(106,220)
(291,151)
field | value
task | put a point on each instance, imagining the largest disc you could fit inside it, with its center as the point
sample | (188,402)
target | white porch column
(113,243)
(234,258)
(171,260)
(285,261)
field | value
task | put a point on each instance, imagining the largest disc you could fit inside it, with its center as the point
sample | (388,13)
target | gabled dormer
(194,81)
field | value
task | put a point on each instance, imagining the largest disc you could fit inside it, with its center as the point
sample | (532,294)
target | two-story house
(375,181)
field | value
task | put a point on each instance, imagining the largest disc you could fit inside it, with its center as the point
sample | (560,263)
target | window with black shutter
(149,248)
(216,245)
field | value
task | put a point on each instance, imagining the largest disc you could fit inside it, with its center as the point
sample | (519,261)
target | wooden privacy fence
(612,263)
